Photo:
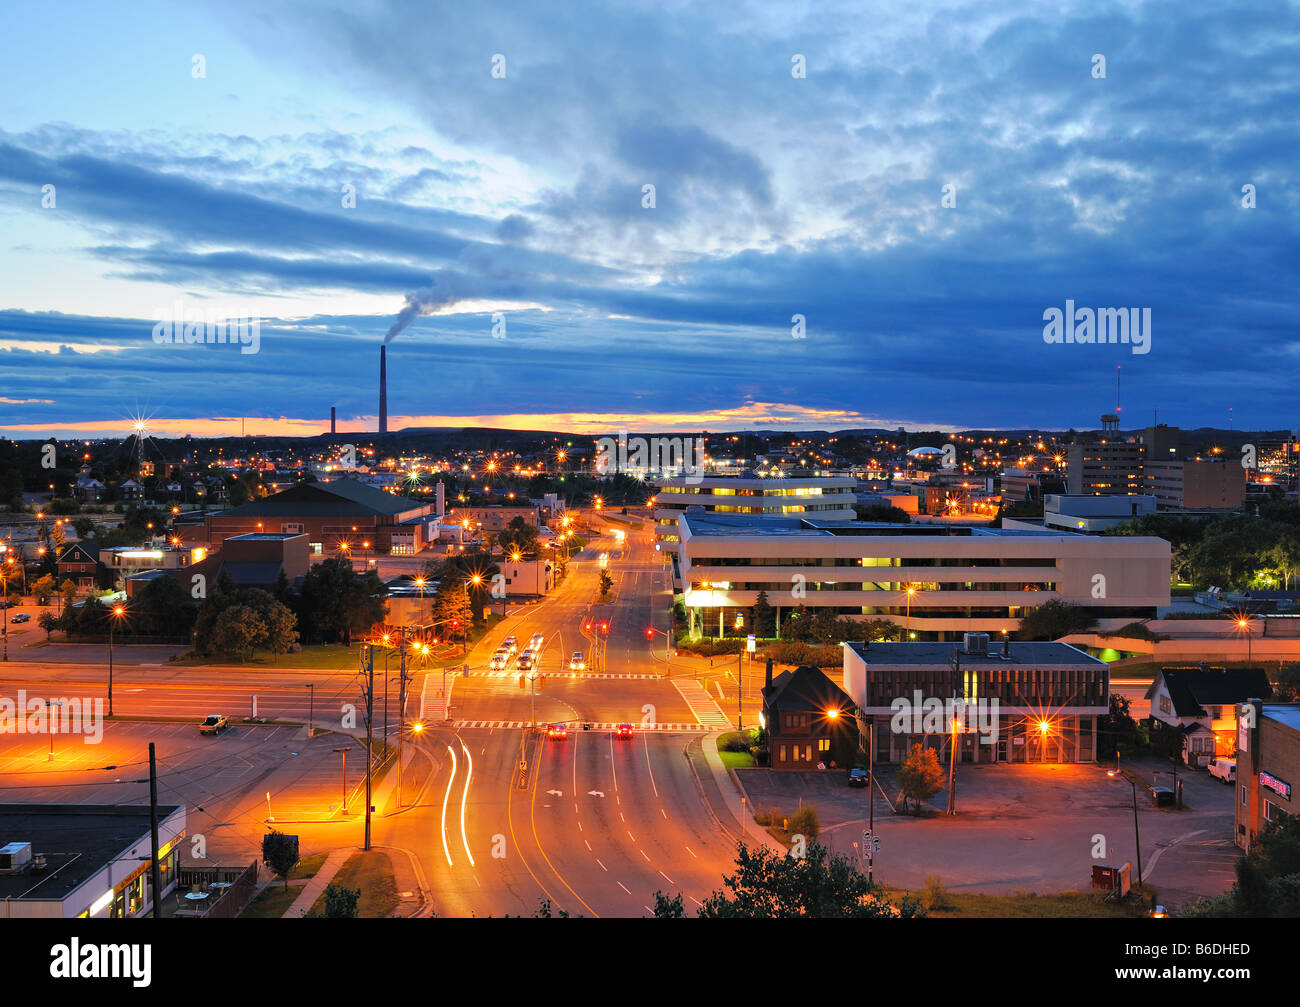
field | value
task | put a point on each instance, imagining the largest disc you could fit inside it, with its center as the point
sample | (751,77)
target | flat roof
(1284,713)
(709,524)
(265,536)
(1022,653)
(78,840)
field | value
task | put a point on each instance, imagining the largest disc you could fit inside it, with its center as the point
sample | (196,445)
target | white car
(1224,769)
(499,660)
(577,662)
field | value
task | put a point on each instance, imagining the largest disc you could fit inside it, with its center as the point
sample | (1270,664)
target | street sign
(751,644)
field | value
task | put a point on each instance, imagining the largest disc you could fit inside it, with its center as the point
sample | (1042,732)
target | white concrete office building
(937,581)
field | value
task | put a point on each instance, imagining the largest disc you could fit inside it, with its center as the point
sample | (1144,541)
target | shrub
(805,822)
(736,743)
(936,896)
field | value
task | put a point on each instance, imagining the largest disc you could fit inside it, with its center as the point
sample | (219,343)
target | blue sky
(521,197)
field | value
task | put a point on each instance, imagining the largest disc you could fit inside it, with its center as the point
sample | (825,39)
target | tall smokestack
(383,390)
(333,428)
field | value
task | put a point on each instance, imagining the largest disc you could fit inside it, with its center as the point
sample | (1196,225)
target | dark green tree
(280,853)
(763,617)
(341,903)
(1053,620)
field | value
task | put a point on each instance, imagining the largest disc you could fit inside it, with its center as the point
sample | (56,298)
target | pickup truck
(214,724)
(1224,769)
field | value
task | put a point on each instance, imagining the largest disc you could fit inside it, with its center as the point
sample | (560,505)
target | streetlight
(311,708)
(1244,624)
(344,753)
(50,725)
(118,612)
(911,590)
(1137,838)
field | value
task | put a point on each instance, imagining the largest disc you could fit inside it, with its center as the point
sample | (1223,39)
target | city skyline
(858,220)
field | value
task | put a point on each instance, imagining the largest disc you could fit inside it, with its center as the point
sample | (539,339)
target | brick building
(1268,765)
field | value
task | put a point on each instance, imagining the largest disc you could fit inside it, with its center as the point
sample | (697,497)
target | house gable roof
(1191,690)
(805,689)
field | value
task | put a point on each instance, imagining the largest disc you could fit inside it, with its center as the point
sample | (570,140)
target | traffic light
(604,627)
(649,632)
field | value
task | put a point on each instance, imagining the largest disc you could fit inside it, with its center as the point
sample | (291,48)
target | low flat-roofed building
(252,560)
(1014,701)
(73,861)
(936,581)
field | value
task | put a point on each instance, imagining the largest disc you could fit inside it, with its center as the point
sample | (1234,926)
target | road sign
(751,644)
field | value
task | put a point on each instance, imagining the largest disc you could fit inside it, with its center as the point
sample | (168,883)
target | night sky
(799,155)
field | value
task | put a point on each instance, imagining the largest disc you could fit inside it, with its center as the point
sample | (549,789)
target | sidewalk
(317,884)
(722,793)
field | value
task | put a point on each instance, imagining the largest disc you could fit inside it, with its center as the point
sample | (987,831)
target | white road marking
(605,869)
(624,887)
(691,852)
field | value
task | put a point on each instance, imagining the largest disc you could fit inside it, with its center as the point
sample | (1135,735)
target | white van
(1224,769)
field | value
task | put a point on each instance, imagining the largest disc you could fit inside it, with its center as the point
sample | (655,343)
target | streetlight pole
(50,726)
(311,708)
(911,590)
(344,753)
(1137,837)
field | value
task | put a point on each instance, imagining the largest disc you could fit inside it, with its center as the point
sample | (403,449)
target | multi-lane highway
(591,822)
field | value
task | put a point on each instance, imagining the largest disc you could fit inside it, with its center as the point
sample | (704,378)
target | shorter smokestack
(333,429)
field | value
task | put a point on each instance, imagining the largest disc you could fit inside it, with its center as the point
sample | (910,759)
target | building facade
(829,498)
(1268,766)
(1006,702)
(936,581)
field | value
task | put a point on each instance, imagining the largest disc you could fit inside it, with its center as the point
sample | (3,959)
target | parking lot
(223,780)
(1025,827)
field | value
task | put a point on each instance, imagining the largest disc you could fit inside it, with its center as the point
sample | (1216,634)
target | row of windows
(895,586)
(873,561)
(803,753)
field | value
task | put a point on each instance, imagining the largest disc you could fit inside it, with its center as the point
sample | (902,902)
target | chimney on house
(769,673)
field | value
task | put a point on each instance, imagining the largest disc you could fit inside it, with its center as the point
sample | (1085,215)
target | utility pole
(952,755)
(740,690)
(155,879)
(401,711)
(368,669)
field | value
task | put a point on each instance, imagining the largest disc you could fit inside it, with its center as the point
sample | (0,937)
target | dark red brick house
(811,722)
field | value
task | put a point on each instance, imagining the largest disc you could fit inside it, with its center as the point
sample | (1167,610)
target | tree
(69,592)
(49,622)
(451,608)
(606,583)
(886,513)
(1053,620)
(335,602)
(280,629)
(1118,729)
(83,526)
(763,617)
(518,536)
(237,630)
(341,903)
(280,853)
(770,885)
(164,608)
(668,909)
(920,776)
(42,589)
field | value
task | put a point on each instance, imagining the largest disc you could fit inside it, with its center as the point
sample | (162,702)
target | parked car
(858,777)
(1224,769)
(214,724)
(577,662)
(1162,796)
(21,617)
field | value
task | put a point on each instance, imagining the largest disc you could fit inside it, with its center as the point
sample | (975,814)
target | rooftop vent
(975,643)
(15,857)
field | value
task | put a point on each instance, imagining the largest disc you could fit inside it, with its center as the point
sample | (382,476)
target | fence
(241,882)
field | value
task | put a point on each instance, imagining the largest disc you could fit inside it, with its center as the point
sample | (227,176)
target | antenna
(1118,369)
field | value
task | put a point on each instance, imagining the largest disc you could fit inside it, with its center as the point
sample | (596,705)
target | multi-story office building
(1010,702)
(1268,766)
(1196,483)
(827,498)
(1111,466)
(937,581)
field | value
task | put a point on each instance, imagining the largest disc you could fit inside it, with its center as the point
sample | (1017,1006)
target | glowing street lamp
(118,612)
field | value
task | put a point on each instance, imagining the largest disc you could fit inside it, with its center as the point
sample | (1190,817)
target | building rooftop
(265,536)
(77,840)
(342,497)
(1021,653)
(740,525)
(1285,713)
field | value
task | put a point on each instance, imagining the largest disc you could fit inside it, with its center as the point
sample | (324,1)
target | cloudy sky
(485,167)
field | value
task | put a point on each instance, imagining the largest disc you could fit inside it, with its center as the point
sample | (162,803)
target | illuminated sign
(1279,787)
